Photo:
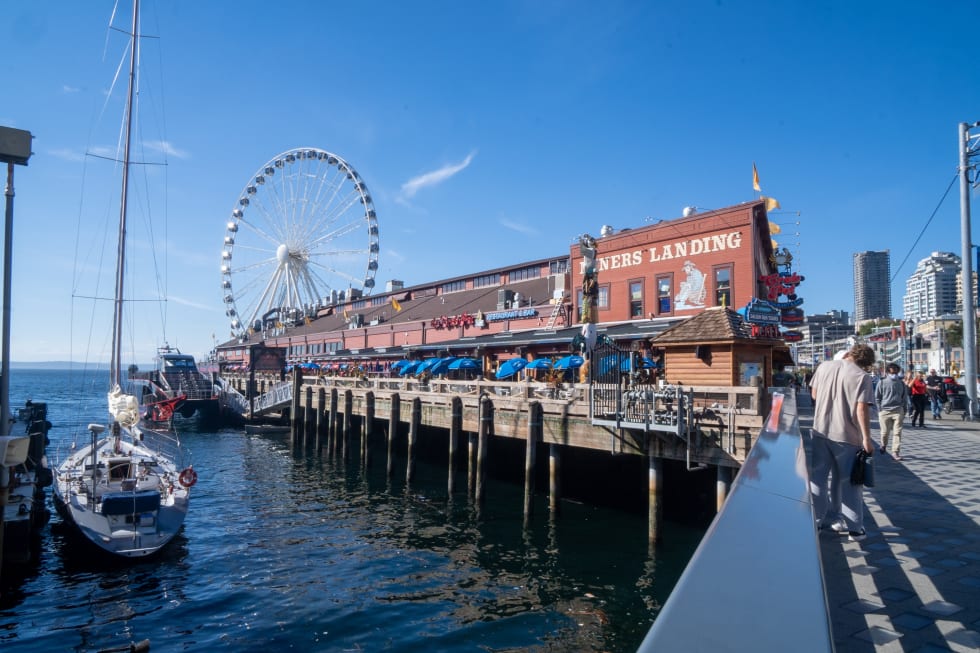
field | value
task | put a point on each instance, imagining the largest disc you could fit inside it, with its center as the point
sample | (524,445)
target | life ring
(188,477)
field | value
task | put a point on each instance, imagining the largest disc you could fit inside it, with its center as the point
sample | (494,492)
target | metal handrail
(755,582)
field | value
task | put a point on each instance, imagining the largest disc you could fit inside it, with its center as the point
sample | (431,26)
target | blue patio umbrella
(539,364)
(608,363)
(408,369)
(426,364)
(441,365)
(400,364)
(569,362)
(465,364)
(510,367)
(643,364)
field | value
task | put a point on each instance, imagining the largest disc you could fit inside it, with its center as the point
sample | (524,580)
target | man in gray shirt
(843,395)
(892,396)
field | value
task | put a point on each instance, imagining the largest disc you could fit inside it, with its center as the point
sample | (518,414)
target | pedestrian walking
(919,392)
(934,386)
(892,397)
(843,396)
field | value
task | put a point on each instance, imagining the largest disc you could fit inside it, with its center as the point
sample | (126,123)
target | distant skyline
(487,134)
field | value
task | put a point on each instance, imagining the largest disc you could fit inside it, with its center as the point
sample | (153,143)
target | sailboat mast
(115,367)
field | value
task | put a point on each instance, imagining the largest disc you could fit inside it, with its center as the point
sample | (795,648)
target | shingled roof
(715,324)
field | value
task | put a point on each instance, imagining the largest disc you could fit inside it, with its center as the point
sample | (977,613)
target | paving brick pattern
(914,584)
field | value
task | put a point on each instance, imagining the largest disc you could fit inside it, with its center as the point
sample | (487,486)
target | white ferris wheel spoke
(303,229)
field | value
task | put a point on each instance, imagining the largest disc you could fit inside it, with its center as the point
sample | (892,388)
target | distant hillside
(68,365)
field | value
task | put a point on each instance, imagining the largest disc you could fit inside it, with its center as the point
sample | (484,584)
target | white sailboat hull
(126,499)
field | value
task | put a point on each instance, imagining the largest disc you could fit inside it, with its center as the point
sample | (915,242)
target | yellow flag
(774,228)
(395,305)
(755,178)
(772,204)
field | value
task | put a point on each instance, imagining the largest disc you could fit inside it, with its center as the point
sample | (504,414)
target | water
(295,551)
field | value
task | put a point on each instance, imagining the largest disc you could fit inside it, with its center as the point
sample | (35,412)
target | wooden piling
(308,420)
(455,426)
(486,418)
(348,417)
(470,464)
(554,478)
(295,416)
(723,484)
(413,432)
(332,428)
(530,455)
(321,417)
(393,418)
(368,429)
(656,472)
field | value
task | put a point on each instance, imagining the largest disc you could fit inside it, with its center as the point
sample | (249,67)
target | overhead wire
(924,227)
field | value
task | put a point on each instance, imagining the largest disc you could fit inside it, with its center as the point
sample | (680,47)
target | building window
(601,302)
(636,299)
(454,286)
(485,280)
(522,274)
(558,267)
(723,285)
(665,291)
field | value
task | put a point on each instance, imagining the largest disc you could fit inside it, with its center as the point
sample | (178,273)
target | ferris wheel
(302,232)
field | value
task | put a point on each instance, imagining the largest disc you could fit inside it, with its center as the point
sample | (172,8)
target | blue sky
(490,133)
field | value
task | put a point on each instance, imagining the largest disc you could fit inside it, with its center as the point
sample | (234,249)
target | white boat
(125,490)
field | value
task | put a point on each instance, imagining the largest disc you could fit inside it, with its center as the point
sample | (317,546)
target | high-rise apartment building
(931,290)
(872,286)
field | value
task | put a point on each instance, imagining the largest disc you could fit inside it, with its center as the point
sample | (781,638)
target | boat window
(118,469)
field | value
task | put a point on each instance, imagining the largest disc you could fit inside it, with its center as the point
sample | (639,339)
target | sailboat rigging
(124,490)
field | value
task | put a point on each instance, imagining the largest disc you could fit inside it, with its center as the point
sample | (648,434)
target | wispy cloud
(434,178)
(166,147)
(186,302)
(69,89)
(518,227)
(67,154)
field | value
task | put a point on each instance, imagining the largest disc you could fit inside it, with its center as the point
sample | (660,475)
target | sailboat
(124,490)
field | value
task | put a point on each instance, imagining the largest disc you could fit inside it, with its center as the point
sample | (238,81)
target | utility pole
(968,147)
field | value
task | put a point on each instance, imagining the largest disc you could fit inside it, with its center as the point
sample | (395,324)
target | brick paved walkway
(914,584)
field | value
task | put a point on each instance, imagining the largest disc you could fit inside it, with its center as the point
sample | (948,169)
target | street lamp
(910,332)
(15,149)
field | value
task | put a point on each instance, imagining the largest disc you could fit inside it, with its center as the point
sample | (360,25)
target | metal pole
(966,244)
(8,238)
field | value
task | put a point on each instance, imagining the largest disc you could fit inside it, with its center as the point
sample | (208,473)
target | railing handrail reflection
(755,582)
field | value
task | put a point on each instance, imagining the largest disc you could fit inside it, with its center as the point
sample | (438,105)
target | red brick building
(677,268)
(649,278)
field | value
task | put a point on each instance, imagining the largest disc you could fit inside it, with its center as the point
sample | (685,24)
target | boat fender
(188,477)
